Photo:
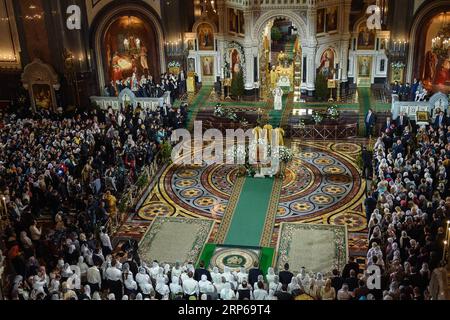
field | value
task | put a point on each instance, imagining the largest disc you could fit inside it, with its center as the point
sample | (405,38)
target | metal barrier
(324,132)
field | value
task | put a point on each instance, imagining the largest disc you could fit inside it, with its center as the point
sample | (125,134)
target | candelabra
(441,43)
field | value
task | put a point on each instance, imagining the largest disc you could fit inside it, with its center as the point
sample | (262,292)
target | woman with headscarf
(203,283)
(154,270)
(343,293)
(142,277)
(139,296)
(130,286)
(227,273)
(216,276)
(162,276)
(17,291)
(27,244)
(242,275)
(424,277)
(66,272)
(83,269)
(220,284)
(320,282)
(175,287)
(147,290)
(275,285)
(270,275)
(293,285)
(86,295)
(162,289)
(313,290)
(176,270)
(227,293)
(260,278)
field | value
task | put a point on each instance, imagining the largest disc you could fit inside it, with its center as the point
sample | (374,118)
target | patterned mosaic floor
(322,186)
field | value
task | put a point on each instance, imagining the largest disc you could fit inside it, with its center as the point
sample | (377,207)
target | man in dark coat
(285,275)
(253,274)
(201,271)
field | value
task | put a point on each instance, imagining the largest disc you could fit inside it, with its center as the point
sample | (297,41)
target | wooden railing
(324,132)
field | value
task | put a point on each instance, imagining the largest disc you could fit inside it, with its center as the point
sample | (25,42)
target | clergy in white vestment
(277,98)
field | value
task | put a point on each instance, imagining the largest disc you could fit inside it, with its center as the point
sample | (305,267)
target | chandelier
(441,43)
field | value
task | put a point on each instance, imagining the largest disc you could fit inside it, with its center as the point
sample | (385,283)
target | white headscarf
(174,286)
(216,276)
(161,287)
(138,296)
(87,291)
(129,283)
(242,275)
(226,293)
(142,277)
(270,275)
(203,283)
(96,296)
(293,285)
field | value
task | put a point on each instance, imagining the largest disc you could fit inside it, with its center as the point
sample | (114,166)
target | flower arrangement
(317,117)
(229,114)
(333,113)
(284,154)
(174,64)
(397,65)
(301,124)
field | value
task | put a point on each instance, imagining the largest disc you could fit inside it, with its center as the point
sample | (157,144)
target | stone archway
(416,39)
(264,44)
(108,17)
(266,17)
(41,81)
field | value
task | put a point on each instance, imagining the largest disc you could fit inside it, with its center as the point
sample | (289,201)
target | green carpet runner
(275,116)
(199,100)
(250,213)
(364,99)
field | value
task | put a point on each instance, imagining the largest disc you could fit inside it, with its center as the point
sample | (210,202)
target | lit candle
(4,205)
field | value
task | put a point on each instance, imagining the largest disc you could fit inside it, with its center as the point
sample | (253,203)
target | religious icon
(190,44)
(327,63)
(208,66)
(205,37)
(138,43)
(42,96)
(143,55)
(240,18)
(232,20)
(332,19)
(235,61)
(191,65)
(366,38)
(129,50)
(364,65)
(126,44)
(320,20)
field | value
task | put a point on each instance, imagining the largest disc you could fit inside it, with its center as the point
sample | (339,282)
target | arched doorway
(129,43)
(429,60)
(279,37)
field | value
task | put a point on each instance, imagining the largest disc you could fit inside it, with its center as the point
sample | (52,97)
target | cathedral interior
(353,95)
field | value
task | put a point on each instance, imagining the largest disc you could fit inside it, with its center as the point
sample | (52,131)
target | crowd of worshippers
(84,271)
(409,208)
(408,92)
(74,171)
(149,87)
